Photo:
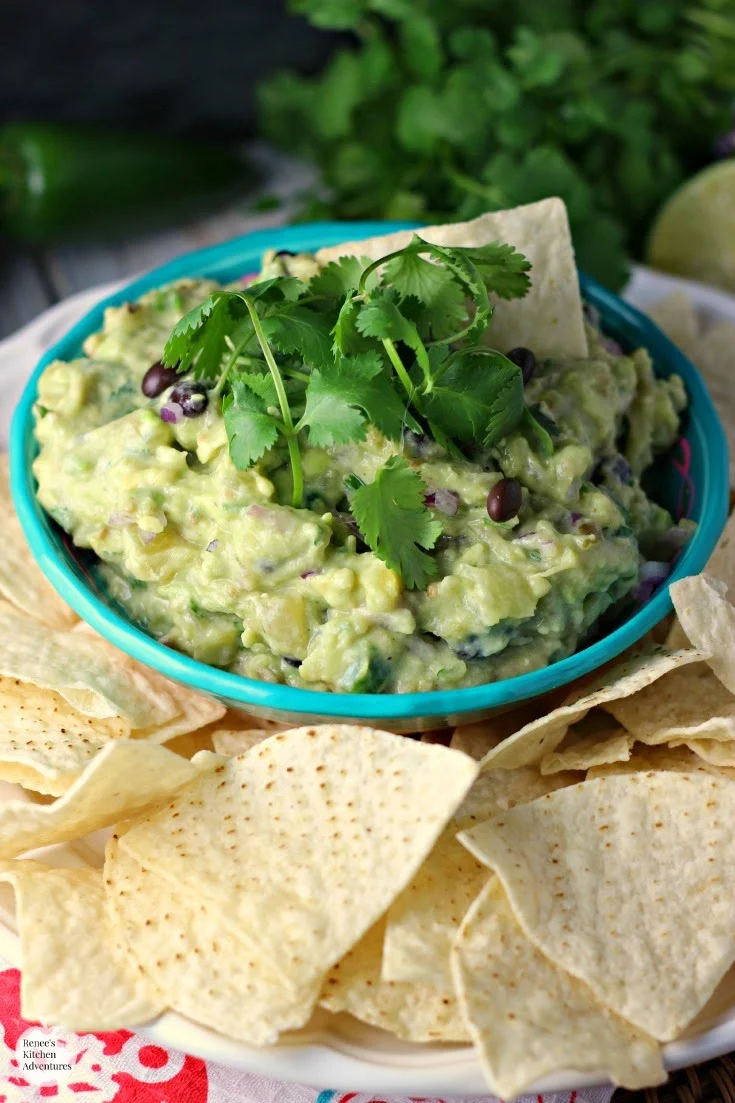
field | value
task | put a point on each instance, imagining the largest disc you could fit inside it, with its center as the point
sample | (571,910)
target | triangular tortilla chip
(612,880)
(74,974)
(529,1018)
(549,319)
(366,806)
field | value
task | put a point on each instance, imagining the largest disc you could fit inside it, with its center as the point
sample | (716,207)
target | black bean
(191,397)
(285,253)
(504,500)
(526,361)
(157,379)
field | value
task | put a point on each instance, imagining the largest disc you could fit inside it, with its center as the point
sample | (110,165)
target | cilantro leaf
(344,333)
(502,268)
(251,431)
(477,397)
(333,394)
(409,274)
(380,317)
(278,288)
(260,384)
(199,337)
(391,515)
(339,277)
(442,305)
(295,328)
(331,418)
(459,263)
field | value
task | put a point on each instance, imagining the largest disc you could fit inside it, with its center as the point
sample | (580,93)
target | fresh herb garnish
(393,343)
(437,111)
(395,522)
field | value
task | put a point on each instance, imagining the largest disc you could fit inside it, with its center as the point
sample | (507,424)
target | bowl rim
(244,692)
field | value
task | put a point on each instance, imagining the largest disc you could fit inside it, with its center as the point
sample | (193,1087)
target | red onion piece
(172,412)
(119,520)
(212,545)
(445,501)
(652,574)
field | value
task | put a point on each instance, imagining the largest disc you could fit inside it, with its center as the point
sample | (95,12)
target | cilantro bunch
(395,344)
(443,109)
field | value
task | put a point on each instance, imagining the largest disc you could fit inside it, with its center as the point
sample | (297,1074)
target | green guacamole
(210,561)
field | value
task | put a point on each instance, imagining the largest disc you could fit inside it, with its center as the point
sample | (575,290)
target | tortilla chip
(414,1012)
(689,703)
(95,678)
(232,743)
(713,751)
(543,736)
(423,921)
(190,743)
(21,581)
(195,713)
(51,742)
(592,742)
(708,619)
(664,757)
(366,806)
(676,316)
(549,319)
(721,565)
(529,1018)
(628,883)
(200,968)
(715,358)
(477,739)
(46,741)
(73,973)
(126,778)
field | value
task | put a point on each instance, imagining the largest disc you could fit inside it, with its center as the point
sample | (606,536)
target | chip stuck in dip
(403,464)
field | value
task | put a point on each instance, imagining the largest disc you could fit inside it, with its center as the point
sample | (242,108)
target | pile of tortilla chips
(711,347)
(555,887)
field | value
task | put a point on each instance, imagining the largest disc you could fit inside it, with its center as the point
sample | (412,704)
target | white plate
(336,1051)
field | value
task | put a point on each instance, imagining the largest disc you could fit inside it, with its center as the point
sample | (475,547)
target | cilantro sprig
(395,522)
(396,343)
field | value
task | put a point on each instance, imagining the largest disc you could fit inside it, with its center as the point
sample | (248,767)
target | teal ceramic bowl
(695,483)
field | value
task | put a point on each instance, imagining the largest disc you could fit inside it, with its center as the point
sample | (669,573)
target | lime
(694,232)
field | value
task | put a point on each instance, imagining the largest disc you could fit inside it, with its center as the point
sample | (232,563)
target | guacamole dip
(521,542)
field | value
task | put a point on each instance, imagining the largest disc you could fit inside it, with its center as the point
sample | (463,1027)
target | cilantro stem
(293,444)
(401,372)
(229,365)
(296,469)
(294,374)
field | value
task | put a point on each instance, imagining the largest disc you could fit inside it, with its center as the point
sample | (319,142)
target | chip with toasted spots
(626,882)
(75,973)
(539,738)
(200,968)
(689,703)
(424,919)
(366,806)
(529,1018)
(413,1011)
(124,779)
